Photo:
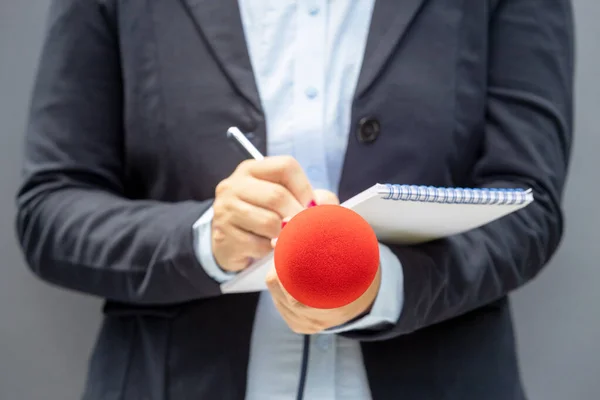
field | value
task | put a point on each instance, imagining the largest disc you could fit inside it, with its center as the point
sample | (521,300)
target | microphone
(327,256)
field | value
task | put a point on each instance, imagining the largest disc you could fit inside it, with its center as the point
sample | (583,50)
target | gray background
(46,334)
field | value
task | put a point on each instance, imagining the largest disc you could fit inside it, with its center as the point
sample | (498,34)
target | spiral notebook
(408,214)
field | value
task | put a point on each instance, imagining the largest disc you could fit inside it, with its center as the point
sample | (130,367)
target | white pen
(246,146)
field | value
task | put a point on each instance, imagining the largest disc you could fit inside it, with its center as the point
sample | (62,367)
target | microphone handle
(303,367)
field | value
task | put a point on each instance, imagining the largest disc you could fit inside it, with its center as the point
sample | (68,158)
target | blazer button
(368,130)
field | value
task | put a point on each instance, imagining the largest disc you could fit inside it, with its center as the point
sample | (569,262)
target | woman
(133,193)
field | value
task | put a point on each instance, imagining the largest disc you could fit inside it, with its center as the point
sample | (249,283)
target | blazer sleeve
(74,222)
(527,141)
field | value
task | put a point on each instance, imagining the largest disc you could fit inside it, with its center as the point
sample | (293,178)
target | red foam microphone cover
(326,256)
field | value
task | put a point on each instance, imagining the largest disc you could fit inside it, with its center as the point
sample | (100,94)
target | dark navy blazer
(125,146)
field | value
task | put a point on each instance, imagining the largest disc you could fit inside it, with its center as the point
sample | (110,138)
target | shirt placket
(309,91)
(309,149)
(320,380)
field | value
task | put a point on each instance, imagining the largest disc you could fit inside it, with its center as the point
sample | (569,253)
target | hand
(250,206)
(308,320)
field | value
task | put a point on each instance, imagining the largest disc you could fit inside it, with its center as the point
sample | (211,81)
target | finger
(286,171)
(250,218)
(291,301)
(240,243)
(270,196)
(326,197)
(297,323)
(272,280)
(283,223)
(319,319)
(312,319)
(297,316)
(279,292)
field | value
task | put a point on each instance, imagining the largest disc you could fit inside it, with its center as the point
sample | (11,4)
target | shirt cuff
(388,304)
(203,248)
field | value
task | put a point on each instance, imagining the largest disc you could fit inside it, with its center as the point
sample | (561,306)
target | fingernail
(283,224)
(312,204)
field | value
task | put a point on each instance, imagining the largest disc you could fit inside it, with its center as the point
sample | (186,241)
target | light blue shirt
(306,57)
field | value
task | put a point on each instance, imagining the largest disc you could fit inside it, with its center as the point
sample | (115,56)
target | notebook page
(410,222)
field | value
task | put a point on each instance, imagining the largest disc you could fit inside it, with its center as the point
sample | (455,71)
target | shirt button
(314,10)
(311,92)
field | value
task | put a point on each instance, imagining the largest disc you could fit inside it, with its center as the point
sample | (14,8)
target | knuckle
(271,279)
(289,164)
(222,211)
(276,197)
(222,187)
(269,223)
(244,165)
(306,190)
(219,212)
(218,236)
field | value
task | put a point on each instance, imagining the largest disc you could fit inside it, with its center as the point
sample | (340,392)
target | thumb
(323,196)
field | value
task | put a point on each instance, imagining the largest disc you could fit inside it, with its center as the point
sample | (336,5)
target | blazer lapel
(220,24)
(389,23)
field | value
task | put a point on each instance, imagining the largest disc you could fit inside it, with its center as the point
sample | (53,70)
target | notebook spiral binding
(434,194)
